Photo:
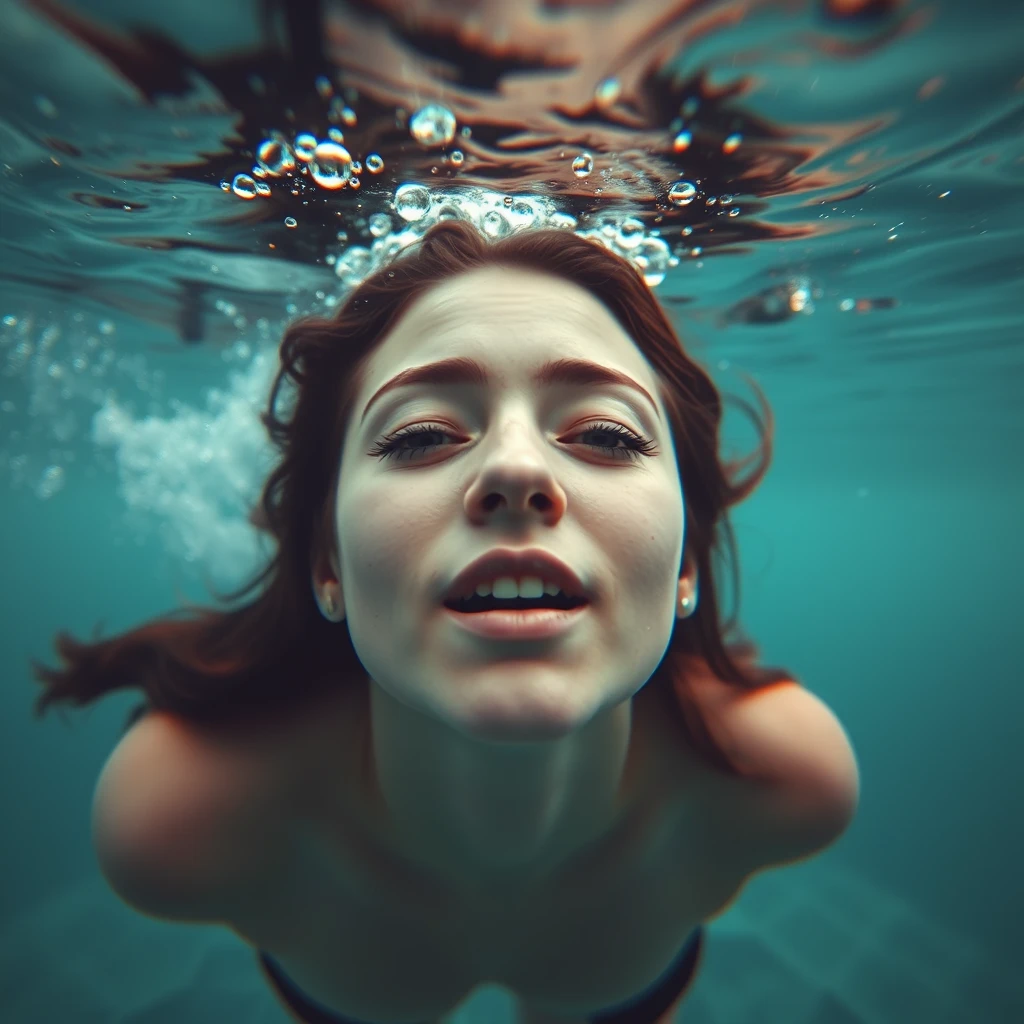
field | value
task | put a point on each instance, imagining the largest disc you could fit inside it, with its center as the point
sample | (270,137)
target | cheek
(388,537)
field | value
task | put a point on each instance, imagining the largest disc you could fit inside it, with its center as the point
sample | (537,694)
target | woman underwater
(477,721)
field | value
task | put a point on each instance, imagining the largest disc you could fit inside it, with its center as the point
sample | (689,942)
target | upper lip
(509,562)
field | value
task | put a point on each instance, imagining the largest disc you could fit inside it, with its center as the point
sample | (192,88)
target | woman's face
(510,463)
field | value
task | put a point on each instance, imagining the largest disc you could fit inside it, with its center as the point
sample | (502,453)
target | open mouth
(475,604)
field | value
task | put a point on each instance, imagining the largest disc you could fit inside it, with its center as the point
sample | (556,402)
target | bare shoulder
(801,784)
(186,820)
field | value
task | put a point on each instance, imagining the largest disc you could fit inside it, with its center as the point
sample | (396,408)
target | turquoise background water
(881,558)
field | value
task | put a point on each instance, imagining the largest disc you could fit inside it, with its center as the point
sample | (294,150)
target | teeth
(509,587)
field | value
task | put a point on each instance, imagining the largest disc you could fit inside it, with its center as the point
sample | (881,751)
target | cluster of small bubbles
(290,222)
(243,186)
(432,125)
(607,93)
(275,156)
(562,221)
(583,165)
(59,367)
(380,225)
(496,215)
(456,158)
(331,165)
(681,193)
(354,264)
(623,234)
(374,163)
(732,143)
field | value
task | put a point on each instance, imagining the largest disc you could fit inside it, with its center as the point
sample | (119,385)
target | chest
(367,938)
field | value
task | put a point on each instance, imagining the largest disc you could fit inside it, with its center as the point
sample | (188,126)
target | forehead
(506,302)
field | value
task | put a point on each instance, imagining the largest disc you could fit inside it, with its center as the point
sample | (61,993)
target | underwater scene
(825,198)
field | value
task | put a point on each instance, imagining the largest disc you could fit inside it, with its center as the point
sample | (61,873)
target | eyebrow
(463,370)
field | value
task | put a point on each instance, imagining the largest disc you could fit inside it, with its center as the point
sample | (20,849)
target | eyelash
(637,444)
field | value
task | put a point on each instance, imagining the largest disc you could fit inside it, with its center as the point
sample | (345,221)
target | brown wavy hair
(265,648)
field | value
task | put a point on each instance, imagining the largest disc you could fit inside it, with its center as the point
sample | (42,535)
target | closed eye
(636,445)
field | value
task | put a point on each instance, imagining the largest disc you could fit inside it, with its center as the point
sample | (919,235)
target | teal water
(872,281)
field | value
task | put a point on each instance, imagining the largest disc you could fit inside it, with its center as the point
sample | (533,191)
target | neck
(484,814)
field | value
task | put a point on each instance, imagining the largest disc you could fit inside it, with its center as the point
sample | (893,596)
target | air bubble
(412,202)
(305,146)
(243,186)
(583,165)
(275,156)
(681,193)
(432,125)
(331,165)
(380,225)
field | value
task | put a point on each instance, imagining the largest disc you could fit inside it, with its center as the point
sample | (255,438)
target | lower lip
(534,624)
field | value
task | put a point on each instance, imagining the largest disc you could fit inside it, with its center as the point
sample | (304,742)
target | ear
(325,568)
(323,558)
(688,581)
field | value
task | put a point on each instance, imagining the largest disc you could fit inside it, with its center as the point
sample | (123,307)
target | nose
(515,482)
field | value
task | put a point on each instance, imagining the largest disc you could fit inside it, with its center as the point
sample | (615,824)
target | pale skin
(493,760)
